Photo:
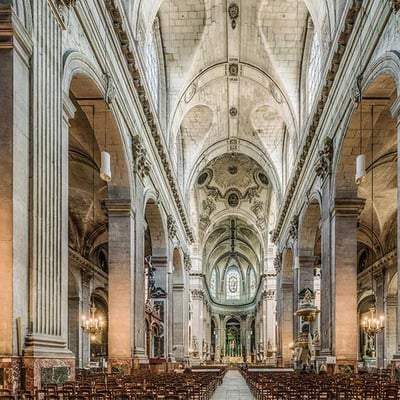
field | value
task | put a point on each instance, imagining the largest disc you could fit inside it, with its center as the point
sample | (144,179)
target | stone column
(15,52)
(326,315)
(344,266)
(197,324)
(395,111)
(185,306)
(379,339)
(121,284)
(84,309)
(306,278)
(179,327)
(46,343)
(287,322)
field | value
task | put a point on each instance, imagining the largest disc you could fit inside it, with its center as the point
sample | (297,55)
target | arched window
(232,283)
(252,282)
(314,70)
(213,282)
(152,63)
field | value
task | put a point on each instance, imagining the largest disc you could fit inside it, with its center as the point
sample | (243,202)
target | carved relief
(141,165)
(187,261)
(197,294)
(172,227)
(233,12)
(325,156)
(395,5)
(258,210)
(278,262)
(294,227)
(110,88)
(208,207)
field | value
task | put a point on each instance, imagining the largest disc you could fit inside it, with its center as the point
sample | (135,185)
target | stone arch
(74,330)
(86,82)
(371,131)
(285,306)
(157,229)
(99,343)
(309,228)
(91,126)
(179,307)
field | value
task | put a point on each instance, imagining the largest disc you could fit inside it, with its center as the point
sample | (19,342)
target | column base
(140,359)
(344,366)
(395,368)
(120,365)
(337,365)
(40,371)
(12,372)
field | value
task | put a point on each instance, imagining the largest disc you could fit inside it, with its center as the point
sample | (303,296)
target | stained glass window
(213,283)
(152,62)
(252,282)
(233,283)
(314,70)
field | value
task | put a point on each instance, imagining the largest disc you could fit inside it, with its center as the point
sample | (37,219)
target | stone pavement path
(233,387)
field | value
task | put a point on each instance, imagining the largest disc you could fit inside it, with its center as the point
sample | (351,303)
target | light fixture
(372,325)
(105,168)
(93,324)
(360,160)
(360,169)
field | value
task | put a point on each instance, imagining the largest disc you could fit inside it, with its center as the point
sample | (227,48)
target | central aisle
(233,388)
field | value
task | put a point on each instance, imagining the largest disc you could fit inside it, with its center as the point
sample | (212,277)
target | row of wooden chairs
(141,385)
(291,386)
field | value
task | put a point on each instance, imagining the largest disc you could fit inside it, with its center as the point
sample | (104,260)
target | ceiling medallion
(233,12)
(202,178)
(263,178)
(233,169)
(190,92)
(233,111)
(233,200)
(67,3)
(233,69)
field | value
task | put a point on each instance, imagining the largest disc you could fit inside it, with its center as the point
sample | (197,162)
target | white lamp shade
(360,169)
(105,169)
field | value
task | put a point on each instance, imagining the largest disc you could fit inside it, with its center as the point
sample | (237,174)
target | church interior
(198,184)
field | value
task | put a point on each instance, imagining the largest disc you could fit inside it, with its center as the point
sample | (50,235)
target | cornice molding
(6,28)
(395,5)
(330,77)
(87,268)
(138,80)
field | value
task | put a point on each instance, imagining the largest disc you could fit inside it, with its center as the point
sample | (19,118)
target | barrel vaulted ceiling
(235,73)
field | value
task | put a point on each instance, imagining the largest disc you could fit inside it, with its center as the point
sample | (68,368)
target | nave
(233,387)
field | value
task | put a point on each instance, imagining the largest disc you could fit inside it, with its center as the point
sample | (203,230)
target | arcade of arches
(233,129)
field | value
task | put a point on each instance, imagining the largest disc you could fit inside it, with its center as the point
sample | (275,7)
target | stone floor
(233,387)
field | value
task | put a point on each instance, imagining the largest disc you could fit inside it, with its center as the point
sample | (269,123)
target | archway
(233,340)
(156,306)
(285,319)
(180,308)
(371,241)
(309,249)
(93,127)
